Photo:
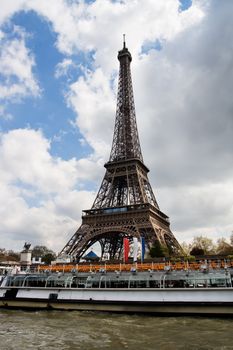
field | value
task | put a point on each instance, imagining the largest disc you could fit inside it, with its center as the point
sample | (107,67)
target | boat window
(9,281)
(202,283)
(88,282)
(74,283)
(104,282)
(95,284)
(82,282)
(92,282)
(154,279)
(174,283)
(68,281)
(18,281)
(154,284)
(138,284)
(219,282)
(119,283)
(59,281)
(189,283)
(49,283)
(34,281)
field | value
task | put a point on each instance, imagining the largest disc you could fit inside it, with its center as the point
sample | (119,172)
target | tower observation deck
(125,205)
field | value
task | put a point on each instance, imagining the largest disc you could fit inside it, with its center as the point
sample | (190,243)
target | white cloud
(188,101)
(183,101)
(63,67)
(205,209)
(185,120)
(184,111)
(4,114)
(8,8)
(36,224)
(25,157)
(96,25)
(16,66)
(39,200)
(93,100)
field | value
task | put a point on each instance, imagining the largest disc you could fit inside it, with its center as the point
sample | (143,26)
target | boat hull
(203,301)
(159,309)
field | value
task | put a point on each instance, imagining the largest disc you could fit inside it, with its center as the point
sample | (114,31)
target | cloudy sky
(58,83)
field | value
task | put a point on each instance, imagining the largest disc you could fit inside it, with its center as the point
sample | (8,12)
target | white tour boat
(167,292)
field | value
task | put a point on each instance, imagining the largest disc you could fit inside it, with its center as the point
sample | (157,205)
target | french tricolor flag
(126,249)
(142,248)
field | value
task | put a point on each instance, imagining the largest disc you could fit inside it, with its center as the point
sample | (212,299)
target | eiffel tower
(125,205)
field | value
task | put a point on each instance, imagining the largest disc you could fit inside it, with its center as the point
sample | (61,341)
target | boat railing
(157,266)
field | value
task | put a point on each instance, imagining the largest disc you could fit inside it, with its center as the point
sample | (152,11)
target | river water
(64,330)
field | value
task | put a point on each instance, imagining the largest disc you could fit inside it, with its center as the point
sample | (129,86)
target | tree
(195,251)
(13,256)
(223,247)
(2,254)
(158,251)
(39,251)
(186,248)
(231,239)
(204,243)
(47,255)
(9,255)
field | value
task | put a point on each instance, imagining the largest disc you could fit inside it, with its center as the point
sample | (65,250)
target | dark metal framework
(125,205)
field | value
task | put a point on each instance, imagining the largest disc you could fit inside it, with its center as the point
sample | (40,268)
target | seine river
(62,330)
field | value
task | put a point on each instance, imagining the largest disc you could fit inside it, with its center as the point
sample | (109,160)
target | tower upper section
(125,181)
(126,143)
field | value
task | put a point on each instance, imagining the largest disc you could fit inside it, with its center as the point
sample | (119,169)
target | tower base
(110,225)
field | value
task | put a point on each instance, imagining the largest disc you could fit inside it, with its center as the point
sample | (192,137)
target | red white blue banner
(135,249)
(142,248)
(126,249)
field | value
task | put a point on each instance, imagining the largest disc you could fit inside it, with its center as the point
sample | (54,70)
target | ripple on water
(62,330)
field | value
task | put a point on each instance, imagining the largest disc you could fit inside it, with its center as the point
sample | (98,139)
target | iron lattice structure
(125,205)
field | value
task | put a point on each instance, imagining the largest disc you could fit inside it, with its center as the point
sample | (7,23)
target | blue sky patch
(49,111)
(185,4)
(151,45)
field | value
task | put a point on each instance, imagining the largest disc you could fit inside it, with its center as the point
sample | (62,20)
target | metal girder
(125,205)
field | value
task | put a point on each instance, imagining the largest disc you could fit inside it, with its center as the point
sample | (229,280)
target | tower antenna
(123,41)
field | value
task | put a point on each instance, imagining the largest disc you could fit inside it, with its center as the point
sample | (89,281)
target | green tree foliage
(158,251)
(195,251)
(39,251)
(201,245)
(204,243)
(47,255)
